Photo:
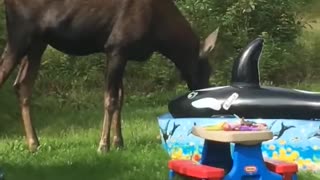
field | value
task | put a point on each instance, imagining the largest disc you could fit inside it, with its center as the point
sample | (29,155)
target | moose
(123,30)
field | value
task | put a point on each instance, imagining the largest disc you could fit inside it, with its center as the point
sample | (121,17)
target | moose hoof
(118,142)
(103,149)
(33,146)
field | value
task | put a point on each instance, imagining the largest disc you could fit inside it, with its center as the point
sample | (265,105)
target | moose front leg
(113,101)
(23,89)
(24,82)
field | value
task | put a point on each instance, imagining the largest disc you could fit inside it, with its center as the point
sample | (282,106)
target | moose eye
(192,95)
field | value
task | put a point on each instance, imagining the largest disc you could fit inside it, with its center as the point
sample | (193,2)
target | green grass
(69,141)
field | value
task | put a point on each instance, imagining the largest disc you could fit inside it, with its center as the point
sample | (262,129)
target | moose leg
(116,121)
(8,62)
(24,82)
(112,102)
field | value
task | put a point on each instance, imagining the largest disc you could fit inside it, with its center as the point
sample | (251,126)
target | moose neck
(184,54)
(176,40)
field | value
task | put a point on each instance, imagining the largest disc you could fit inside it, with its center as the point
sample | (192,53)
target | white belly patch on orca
(211,103)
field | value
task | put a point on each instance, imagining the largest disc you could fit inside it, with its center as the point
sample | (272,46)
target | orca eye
(192,95)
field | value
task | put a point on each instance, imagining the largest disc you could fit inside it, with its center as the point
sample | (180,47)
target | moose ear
(209,44)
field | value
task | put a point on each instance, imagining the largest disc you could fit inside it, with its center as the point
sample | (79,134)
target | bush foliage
(285,59)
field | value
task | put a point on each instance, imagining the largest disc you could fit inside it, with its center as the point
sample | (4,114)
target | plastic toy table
(247,163)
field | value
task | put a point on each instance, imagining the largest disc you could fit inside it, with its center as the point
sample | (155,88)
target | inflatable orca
(245,97)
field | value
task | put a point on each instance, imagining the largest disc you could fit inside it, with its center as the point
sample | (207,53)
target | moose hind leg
(116,121)
(24,82)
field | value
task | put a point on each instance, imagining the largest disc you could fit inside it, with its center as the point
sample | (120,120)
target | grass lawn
(69,141)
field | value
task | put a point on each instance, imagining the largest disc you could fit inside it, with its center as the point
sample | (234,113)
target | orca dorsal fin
(245,70)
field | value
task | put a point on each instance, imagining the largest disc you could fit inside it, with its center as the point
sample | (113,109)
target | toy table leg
(171,174)
(248,164)
(295,177)
(217,154)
